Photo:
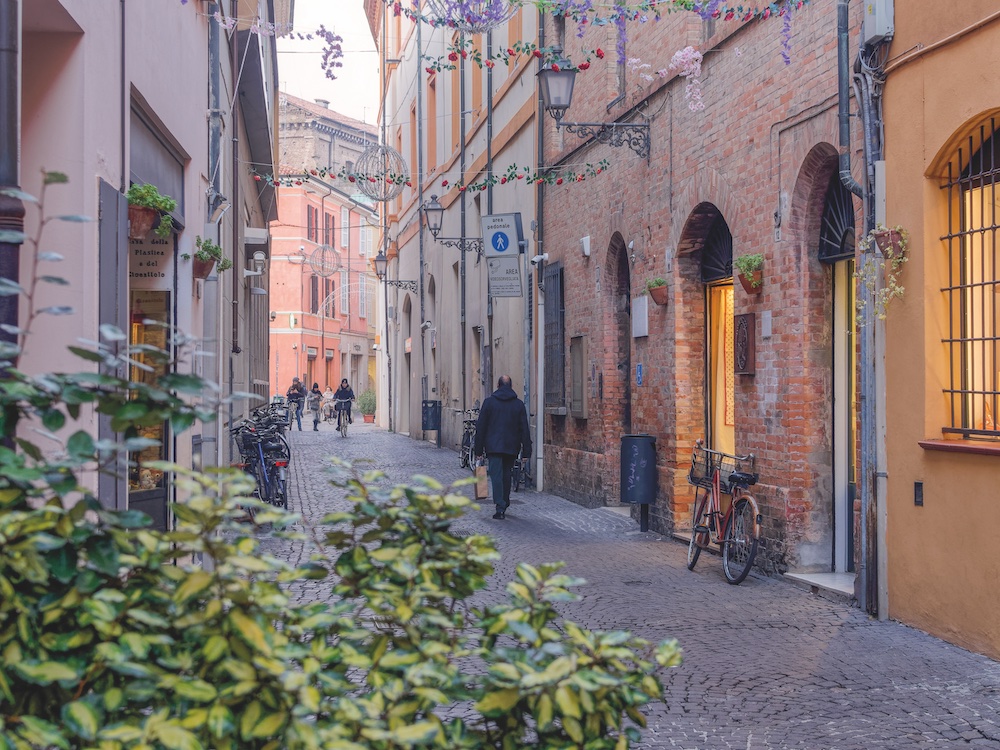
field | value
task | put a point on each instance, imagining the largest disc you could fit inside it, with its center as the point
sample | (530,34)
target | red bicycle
(738,528)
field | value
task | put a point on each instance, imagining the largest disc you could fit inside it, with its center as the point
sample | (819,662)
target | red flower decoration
(729,15)
(257,177)
(510,52)
(599,52)
(537,53)
(453,56)
(444,183)
(766,14)
(520,177)
(465,55)
(351,178)
(313,172)
(489,63)
(429,70)
(559,181)
(461,188)
(409,184)
(298,182)
(555,68)
(503,180)
(579,178)
(583,65)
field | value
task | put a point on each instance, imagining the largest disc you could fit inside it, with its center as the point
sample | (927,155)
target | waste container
(430,415)
(638,469)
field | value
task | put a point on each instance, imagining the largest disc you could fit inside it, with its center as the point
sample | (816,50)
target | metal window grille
(973,340)
(555,337)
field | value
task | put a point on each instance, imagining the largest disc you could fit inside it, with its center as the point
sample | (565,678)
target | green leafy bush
(366,402)
(116,636)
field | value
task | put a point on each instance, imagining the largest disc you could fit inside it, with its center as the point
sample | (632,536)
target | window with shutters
(555,338)
(345,289)
(366,239)
(362,297)
(328,306)
(310,223)
(328,229)
(345,228)
(314,294)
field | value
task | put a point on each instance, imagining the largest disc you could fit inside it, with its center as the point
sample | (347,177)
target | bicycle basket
(704,462)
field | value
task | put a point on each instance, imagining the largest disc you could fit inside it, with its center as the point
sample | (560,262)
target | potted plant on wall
(751,274)
(205,257)
(886,264)
(145,205)
(657,289)
(366,404)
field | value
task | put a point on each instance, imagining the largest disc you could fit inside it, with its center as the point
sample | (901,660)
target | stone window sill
(975,447)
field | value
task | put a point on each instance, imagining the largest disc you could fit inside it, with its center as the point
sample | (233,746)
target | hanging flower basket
(140,221)
(659,294)
(202,268)
(752,284)
(888,238)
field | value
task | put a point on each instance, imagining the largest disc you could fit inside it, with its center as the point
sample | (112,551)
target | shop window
(973,285)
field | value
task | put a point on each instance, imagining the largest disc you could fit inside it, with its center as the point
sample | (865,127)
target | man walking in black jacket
(501,433)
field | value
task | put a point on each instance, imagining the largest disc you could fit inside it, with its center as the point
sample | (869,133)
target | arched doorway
(720,372)
(836,249)
(621,306)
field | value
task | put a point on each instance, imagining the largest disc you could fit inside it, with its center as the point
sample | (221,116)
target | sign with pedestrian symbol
(502,235)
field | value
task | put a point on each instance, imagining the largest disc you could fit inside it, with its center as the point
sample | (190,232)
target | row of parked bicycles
(264,452)
(520,476)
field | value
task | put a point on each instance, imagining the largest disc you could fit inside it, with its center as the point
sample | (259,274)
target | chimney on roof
(324,103)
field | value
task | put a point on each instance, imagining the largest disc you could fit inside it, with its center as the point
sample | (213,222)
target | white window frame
(362,296)
(345,292)
(345,227)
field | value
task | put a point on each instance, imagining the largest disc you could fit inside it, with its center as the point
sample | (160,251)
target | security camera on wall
(539,259)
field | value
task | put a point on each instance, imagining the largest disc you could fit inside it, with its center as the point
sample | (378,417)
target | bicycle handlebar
(699,444)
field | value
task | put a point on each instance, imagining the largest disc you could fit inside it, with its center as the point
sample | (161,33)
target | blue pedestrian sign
(502,235)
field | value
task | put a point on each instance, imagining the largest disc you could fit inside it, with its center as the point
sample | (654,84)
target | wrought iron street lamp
(434,213)
(556,81)
(381,264)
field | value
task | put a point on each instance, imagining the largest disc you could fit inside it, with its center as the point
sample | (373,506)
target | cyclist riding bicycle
(344,396)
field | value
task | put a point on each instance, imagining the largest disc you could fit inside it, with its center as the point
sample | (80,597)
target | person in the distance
(501,433)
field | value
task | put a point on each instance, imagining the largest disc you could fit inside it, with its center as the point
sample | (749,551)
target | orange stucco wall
(942,563)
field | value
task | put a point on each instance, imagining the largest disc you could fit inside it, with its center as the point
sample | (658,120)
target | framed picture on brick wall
(744,346)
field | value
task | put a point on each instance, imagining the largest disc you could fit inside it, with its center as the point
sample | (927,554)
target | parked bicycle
(737,529)
(265,456)
(340,405)
(520,476)
(469,439)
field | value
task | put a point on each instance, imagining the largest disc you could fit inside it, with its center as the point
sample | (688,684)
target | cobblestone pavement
(766,664)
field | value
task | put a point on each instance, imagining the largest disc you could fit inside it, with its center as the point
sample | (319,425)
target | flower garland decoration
(513,174)
(687,63)
(473,16)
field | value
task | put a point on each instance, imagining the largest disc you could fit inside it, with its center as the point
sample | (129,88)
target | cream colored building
(166,93)
(448,339)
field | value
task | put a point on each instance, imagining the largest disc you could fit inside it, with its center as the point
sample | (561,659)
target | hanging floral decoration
(395,181)
(473,16)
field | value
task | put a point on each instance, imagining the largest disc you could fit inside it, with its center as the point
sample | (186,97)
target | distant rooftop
(321,108)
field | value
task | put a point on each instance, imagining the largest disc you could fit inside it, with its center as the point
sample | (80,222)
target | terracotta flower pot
(369,418)
(140,221)
(754,284)
(659,294)
(886,239)
(202,268)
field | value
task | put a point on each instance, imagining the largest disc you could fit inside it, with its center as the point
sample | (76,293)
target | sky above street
(355,92)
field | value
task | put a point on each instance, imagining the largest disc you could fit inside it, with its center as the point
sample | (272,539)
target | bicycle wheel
(466,453)
(343,424)
(517,478)
(699,539)
(278,495)
(739,545)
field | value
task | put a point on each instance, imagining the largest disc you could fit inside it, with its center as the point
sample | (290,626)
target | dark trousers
(298,413)
(499,468)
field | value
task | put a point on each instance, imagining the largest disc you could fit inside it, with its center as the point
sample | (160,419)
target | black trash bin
(638,475)
(430,415)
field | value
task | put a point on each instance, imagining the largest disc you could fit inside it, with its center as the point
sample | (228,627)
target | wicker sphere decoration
(381,172)
(324,261)
(472,16)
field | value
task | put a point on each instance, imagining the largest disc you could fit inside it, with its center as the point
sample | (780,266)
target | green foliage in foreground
(116,636)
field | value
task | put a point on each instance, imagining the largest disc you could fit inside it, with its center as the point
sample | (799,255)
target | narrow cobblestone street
(766,664)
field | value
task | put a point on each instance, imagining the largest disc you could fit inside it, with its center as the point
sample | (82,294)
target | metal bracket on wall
(635,136)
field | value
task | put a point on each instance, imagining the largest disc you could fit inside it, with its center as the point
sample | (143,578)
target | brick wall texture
(760,155)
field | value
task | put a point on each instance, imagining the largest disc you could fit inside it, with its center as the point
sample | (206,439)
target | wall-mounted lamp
(434,214)
(220,204)
(259,259)
(556,82)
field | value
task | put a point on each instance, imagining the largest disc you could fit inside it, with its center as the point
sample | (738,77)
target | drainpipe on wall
(11,209)
(464,291)
(539,269)
(420,218)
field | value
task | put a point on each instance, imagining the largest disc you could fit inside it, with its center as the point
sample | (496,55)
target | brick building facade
(754,171)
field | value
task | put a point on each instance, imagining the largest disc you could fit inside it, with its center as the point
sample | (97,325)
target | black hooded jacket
(503,425)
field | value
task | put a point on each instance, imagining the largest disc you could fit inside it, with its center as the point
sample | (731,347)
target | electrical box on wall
(878,21)
(585,246)
(640,316)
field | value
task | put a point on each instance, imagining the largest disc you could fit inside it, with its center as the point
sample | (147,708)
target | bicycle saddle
(743,479)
